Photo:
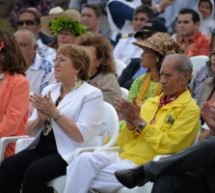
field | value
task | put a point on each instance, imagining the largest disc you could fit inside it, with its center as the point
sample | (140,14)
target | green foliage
(60,23)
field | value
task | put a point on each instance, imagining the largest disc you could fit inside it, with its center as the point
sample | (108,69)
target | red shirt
(198,44)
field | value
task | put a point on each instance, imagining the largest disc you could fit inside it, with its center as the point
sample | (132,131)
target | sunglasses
(26,22)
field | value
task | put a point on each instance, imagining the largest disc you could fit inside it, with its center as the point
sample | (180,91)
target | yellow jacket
(175,128)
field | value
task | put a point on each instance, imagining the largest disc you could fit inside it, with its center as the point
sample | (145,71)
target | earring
(157,60)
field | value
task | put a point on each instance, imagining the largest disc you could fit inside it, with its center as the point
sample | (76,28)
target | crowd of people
(59,67)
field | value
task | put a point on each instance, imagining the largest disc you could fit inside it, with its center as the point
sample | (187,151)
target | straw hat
(57,12)
(160,42)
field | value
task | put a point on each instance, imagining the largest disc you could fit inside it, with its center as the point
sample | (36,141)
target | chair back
(111,124)
(198,62)
(120,65)
(124,93)
(22,143)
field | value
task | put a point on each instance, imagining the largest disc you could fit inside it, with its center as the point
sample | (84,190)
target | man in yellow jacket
(165,124)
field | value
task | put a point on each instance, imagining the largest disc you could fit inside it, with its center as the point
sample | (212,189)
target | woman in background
(63,26)
(14,89)
(155,48)
(102,69)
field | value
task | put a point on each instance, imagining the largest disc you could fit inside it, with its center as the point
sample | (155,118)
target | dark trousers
(31,169)
(193,167)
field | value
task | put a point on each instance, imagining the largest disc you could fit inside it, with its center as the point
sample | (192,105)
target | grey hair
(28,32)
(182,63)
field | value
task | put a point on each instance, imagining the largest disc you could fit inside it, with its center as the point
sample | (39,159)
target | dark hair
(195,15)
(32,11)
(144,9)
(97,9)
(13,60)
(103,50)
(201,1)
(212,41)
(79,56)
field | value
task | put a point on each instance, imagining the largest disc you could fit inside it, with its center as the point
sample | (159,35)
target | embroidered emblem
(169,119)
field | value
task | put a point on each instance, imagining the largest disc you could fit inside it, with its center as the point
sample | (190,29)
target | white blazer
(85,107)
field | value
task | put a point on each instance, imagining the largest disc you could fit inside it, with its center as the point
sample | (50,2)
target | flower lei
(60,23)
(1,45)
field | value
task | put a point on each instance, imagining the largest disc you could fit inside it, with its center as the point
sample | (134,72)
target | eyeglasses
(60,60)
(26,22)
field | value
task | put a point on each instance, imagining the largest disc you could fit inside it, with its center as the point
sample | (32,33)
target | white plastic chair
(120,65)
(198,62)
(4,141)
(112,130)
(124,93)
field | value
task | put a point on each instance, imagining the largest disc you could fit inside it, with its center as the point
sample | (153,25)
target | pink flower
(1,45)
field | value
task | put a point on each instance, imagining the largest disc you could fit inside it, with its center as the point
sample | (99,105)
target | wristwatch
(141,126)
(58,116)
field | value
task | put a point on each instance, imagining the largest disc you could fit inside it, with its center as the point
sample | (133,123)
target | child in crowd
(206,12)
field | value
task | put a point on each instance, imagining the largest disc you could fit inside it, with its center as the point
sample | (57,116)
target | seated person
(68,114)
(63,26)
(155,49)
(14,90)
(204,73)
(192,41)
(91,16)
(134,68)
(124,49)
(165,124)
(40,71)
(102,68)
(205,9)
(207,94)
(191,170)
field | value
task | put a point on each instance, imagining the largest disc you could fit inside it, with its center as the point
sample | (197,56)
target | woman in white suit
(67,115)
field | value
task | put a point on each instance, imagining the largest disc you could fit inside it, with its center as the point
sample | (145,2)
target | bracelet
(58,116)
(158,8)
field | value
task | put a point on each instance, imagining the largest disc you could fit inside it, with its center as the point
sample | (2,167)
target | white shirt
(84,106)
(40,74)
(125,50)
(45,51)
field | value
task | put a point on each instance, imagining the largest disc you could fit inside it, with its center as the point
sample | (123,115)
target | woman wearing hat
(155,49)
(62,25)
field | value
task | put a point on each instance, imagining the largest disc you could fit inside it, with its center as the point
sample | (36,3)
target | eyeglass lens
(26,22)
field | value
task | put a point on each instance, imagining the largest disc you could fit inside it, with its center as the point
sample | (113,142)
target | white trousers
(95,170)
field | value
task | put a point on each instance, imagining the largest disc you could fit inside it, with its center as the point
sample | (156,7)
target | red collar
(164,101)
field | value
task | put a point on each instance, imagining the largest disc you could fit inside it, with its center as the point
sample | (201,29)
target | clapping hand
(208,115)
(44,105)
(130,111)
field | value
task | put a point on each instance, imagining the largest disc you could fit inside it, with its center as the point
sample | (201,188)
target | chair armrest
(4,141)
(115,148)
(80,150)
(160,157)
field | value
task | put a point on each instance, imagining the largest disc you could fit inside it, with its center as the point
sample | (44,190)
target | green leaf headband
(60,23)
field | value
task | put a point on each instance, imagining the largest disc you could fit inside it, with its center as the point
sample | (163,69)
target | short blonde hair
(79,57)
